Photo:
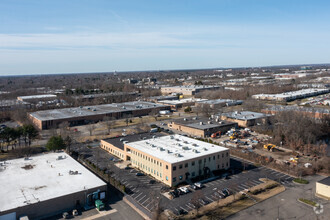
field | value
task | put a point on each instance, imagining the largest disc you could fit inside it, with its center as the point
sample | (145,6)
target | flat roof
(222,101)
(176,148)
(38,96)
(298,108)
(245,115)
(202,122)
(193,87)
(293,94)
(37,179)
(66,113)
(181,101)
(119,141)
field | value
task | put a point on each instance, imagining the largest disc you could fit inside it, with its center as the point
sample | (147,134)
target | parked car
(184,189)
(152,181)
(176,192)
(199,185)
(139,174)
(193,186)
(174,195)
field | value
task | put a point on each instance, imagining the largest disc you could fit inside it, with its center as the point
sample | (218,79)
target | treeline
(13,137)
(299,132)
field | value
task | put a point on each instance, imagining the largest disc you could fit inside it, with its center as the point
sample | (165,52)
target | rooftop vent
(201,123)
(177,155)
(184,119)
(205,149)
(195,151)
(159,148)
(168,151)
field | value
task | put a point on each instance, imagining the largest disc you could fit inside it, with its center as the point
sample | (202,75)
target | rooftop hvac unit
(159,148)
(171,137)
(184,119)
(177,155)
(201,123)
(205,149)
(168,151)
(195,151)
(153,145)
(209,122)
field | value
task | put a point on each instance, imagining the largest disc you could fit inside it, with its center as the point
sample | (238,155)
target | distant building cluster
(245,118)
(291,96)
(187,90)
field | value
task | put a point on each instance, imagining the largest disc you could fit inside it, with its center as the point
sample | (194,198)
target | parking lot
(243,175)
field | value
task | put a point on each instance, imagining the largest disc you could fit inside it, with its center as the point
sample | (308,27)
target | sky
(73,36)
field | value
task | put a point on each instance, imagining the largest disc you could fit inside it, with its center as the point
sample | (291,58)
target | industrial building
(12,104)
(108,97)
(171,159)
(46,185)
(37,98)
(91,114)
(218,103)
(177,104)
(291,96)
(187,90)
(161,98)
(312,112)
(245,118)
(201,126)
(323,188)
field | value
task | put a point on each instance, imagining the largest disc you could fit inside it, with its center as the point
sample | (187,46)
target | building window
(186,165)
(180,177)
(152,170)
(218,167)
(174,179)
(223,165)
(200,161)
(160,174)
(166,178)
(213,157)
(193,173)
(209,158)
(167,167)
(218,156)
(227,154)
(193,163)
(222,155)
(157,173)
(174,168)
(204,160)
(227,164)
(180,166)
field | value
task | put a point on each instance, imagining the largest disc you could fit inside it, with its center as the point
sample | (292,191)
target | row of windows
(200,161)
(118,154)
(146,168)
(147,158)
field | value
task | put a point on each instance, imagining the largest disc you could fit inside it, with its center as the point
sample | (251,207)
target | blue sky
(65,36)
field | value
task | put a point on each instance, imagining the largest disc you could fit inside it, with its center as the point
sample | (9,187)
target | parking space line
(240,187)
(209,199)
(141,198)
(145,201)
(257,182)
(183,209)
(188,206)
(137,196)
(244,185)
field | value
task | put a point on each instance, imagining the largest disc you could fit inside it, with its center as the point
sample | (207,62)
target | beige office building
(172,159)
(323,188)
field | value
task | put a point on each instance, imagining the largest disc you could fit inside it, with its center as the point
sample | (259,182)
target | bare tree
(91,127)
(109,123)
(196,200)
(154,113)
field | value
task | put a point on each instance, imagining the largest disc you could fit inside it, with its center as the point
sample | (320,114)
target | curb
(143,215)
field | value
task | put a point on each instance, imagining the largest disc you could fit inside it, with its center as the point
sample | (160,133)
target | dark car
(176,192)
(139,174)
(152,181)
(182,212)
(174,195)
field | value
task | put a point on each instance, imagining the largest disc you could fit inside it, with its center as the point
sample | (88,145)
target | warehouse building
(187,90)
(46,185)
(201,126)
(218,103)
(173,159)
(37,98)
(161,98)
(323,188)
(91,114)
(245,118)
(308,111)
(177,104)
(291,96)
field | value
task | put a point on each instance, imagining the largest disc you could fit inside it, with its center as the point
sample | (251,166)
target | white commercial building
(45,185)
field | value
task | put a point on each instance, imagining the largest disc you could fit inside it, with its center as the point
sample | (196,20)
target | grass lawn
(301,181)
(309,202)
